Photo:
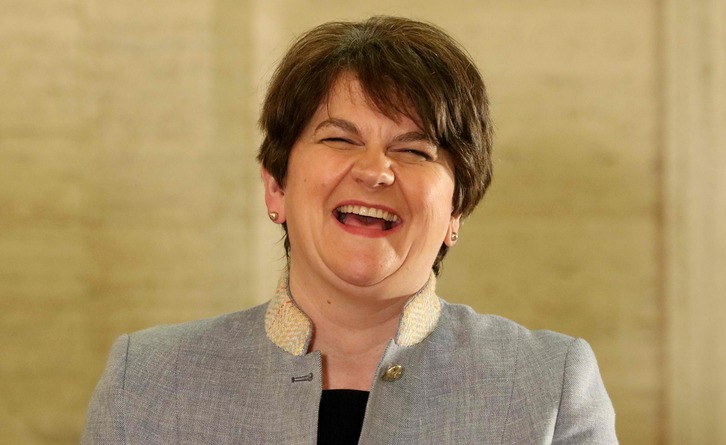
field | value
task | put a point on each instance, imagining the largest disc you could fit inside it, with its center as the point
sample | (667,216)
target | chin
(365,273)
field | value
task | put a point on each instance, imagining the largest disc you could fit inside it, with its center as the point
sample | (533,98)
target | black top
(341,416)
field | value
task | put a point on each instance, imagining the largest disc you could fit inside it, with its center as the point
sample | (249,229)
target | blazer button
(393,373)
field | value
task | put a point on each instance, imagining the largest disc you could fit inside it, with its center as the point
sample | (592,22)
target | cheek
(433,203)
(313,179)
(437,192)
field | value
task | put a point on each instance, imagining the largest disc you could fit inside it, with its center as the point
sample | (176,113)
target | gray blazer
(473,379)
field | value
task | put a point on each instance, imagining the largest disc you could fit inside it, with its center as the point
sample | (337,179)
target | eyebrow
(340,123)
(415,136)
(411,136)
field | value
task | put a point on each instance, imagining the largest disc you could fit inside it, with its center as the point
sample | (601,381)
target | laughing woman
(377,142)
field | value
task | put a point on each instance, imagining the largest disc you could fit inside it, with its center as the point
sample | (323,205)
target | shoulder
(147,363)
(463,326)
(145,369)
(153,354)
(237,329)
(532,353)
(535,361)
(550,373)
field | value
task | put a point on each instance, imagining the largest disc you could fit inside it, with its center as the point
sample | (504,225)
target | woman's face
(367,200)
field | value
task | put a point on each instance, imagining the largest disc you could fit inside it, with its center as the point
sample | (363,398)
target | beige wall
(695,220)
(129,195)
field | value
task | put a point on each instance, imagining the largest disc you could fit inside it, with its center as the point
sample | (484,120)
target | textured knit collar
(289,328)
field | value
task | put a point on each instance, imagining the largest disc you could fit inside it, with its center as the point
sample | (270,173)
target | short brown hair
(405,67)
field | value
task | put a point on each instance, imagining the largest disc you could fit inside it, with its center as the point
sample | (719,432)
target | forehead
(348,92)
(347,88)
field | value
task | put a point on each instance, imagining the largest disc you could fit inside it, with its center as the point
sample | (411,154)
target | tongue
(364,221)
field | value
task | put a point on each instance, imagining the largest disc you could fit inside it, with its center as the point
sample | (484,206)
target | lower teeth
(341,216)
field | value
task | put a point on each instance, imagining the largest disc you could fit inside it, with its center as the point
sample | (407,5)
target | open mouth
(368,217)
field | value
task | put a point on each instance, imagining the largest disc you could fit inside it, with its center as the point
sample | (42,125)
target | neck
(350,331)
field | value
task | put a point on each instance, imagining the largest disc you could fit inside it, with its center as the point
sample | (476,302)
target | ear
(454,225)
(274,195)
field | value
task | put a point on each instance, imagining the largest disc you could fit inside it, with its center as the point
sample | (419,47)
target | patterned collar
(288,327)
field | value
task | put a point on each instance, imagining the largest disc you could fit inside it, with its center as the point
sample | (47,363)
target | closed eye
(414,154)
(341,143)
(338,143)
(421,153)
(343,140)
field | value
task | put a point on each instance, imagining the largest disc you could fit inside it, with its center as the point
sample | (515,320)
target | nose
(373,169)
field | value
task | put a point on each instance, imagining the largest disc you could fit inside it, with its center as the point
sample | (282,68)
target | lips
(353,215)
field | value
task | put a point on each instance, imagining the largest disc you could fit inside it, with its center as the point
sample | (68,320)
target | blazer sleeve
(105,416)
(586,414)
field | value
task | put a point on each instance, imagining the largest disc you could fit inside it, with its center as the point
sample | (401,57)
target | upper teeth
(368,211)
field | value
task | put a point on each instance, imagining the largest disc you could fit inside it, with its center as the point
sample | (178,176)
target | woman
(377,143)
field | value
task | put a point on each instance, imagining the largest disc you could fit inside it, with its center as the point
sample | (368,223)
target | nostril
(376,178)
(374,171)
